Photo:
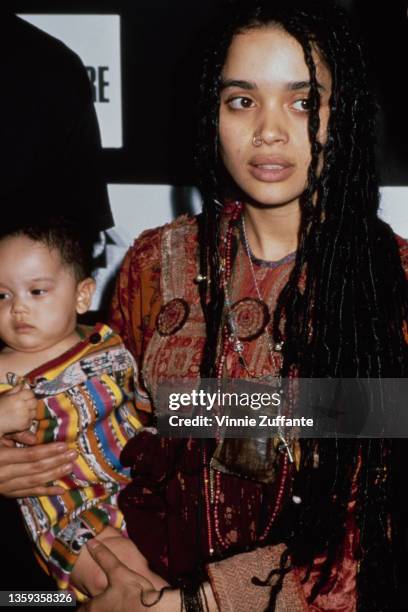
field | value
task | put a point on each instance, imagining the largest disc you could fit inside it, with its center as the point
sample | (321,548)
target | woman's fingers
(28,486)
(42,452)
(31,483)
(112,567)
(126,590)
(106,559)
(29,469)
(36,491)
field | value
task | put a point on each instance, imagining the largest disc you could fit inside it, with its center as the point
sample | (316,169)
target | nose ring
(257,140)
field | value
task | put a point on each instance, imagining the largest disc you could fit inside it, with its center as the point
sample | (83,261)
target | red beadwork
(207,503)
(213,498)
(279,498)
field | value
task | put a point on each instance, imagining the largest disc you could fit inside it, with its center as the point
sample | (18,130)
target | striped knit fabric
(85,399)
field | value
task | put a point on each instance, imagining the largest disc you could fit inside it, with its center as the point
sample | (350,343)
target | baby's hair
(61,234)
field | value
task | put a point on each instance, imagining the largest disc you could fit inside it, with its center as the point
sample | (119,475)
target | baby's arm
(89,578)
(17,410)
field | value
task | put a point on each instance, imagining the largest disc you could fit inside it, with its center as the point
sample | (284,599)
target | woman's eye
(302,105)
(4,295)
(240,102)
(38,291)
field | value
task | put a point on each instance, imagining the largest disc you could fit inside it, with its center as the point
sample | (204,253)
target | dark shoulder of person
(50,135)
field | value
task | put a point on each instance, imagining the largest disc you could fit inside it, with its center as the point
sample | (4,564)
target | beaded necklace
(278,346)
(229,340)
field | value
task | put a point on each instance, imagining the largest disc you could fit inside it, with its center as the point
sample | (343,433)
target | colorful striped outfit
(86,398)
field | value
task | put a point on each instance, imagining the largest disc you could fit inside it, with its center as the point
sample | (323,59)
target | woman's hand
(25,471)
(126,589)
(88,576)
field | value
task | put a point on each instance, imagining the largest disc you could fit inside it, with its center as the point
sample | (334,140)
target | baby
(68,383)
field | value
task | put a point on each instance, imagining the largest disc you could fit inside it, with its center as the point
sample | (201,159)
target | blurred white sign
(96,39)
(136,208)
(394,209)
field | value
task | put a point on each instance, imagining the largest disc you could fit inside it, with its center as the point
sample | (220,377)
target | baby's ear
(85,290)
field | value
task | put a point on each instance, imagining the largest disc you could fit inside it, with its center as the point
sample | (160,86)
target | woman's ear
(85,290)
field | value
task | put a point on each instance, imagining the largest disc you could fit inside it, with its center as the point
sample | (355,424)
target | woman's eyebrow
(237,83)
(249,85)
(296,85)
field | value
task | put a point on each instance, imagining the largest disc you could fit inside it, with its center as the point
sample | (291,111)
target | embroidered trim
(172,317)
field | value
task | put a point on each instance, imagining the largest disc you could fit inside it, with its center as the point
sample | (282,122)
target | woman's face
(264,139)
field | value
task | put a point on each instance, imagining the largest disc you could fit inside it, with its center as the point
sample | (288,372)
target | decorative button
(172,317)
(251,316)
(95,338)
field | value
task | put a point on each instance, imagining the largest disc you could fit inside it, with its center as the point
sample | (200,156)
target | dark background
(160,41)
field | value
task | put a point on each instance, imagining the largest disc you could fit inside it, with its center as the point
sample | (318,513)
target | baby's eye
(302,105)
(4,295)
(39,291)
(240,102)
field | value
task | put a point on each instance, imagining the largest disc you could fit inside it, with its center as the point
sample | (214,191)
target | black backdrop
(160,41)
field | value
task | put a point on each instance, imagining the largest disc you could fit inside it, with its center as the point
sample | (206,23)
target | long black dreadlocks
(348,320)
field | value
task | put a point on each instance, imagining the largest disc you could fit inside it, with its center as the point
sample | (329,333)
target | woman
(288,272)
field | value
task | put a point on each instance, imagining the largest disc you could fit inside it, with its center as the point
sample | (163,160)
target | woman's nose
(271,129)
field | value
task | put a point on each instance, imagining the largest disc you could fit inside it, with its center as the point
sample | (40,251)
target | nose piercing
(257,140)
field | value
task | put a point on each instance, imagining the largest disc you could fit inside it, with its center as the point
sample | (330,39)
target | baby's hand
(17,410)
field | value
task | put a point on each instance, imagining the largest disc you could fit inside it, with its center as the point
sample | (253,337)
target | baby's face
(38,295)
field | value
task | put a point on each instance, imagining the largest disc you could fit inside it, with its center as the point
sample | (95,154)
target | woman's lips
(270,169)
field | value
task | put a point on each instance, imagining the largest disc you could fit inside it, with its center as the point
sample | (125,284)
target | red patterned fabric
(162,504)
